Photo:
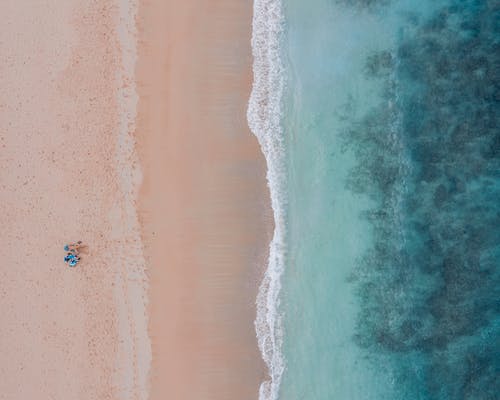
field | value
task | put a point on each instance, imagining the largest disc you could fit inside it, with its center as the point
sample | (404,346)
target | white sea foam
(264,118)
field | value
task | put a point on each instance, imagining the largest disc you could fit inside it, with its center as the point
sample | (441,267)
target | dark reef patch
(429,156)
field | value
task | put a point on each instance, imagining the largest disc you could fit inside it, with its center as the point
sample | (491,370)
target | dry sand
(204,203)
(66,168)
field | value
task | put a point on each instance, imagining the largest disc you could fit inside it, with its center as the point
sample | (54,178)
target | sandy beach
(68,172)
(204,201)
(149,161)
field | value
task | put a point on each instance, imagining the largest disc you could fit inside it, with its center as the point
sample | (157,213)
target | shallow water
(391,145)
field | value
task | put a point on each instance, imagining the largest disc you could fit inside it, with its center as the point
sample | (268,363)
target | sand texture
(163,303)
(68,333)
(204,203)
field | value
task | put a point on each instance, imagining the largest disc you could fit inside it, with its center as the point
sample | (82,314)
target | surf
(264,118)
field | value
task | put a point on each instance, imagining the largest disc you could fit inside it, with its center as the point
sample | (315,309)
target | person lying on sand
(73,250)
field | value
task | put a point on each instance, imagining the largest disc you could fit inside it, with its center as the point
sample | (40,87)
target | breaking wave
(264,118)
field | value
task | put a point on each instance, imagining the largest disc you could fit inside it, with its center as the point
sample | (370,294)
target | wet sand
(204,204)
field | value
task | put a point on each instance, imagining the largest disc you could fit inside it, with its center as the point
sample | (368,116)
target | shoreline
(203,204)
(265,116)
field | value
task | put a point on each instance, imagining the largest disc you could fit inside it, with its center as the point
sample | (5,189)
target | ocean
(379,122)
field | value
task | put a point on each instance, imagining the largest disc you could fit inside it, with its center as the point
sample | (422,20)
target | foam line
(264,118)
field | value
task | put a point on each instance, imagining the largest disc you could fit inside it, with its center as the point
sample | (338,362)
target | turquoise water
(386,169)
